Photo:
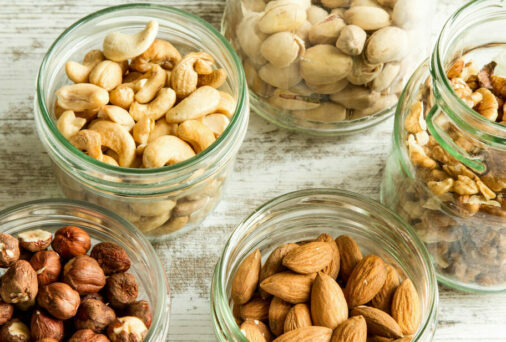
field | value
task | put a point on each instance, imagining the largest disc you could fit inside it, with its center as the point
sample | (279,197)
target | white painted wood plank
(271,161)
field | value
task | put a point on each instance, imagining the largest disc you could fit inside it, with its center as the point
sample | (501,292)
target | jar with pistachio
(142,117)
(330,66)
(446,174)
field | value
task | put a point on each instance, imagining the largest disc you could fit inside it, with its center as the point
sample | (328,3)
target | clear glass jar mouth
(491,132)
(77,156)
(219,299)
(160,317)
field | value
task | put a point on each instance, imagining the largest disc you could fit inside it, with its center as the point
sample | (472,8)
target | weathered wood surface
(271,161)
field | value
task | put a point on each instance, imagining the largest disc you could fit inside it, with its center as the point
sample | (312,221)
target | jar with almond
(446,173)
(324,265)
(327,67)
(144,115)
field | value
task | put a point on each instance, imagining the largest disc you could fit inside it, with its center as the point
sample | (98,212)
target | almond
(291,287)
(366,280)
(256,331)
(379,339)
(404,339)
(236,311)
(277,315)
(274,263)
(257,308)
(332,269)
(383,299)
(350,255)
(298,317)
(246,278)
(307,334)
(352,330)
(328,305)
(309,258)
(406,307)
(378,322)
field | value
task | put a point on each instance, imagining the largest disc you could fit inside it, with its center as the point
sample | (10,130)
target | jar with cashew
(143,119)
(446,174)
(327,67)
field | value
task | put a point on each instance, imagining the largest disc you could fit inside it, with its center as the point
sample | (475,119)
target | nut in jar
(305,56)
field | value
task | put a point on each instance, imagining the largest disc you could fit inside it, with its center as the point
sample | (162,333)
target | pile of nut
(52,295)
(297,295)
(470,243)
(139,103)
(327,61)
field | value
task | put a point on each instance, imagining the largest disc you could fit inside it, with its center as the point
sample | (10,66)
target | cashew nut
(282,48)
(122,96)
(283,78)
(68,124)
(217,123)
(115,137)
(118,115)
(351,40)
(166,150)
(149,86)
(186,208)
(119,46)
(388,44)
(226,105)
(171,226)
(109,160)
(155,109)
(82,96)
(77,72)
(201,102)
(203,67)
(196,134)
(89,142)
(327,30)
(148,223)
(153,208)
(215,79)
(324,64)
(368,18)
(106,74)
(160,52)
(162,127)
(142,129)
(184,78)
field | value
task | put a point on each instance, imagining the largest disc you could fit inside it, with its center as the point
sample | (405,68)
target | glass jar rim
(158,318)
(258,213)
(240,111)
(442,84)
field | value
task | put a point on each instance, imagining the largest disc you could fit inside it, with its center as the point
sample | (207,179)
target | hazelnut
(14,331)
(96,296)
(6,311)
(111,257)
(141,310)
(47,340)
(47,265)
(128,328)
(9,250)
(95,315)
(19,285)
(87,335)
(35,240)
(45,326)
(121,290)
(84,274)
(59,299)
(71,241)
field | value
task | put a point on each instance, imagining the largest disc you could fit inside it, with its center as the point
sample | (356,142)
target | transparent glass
(102,225)
(465,232)
(309,70)
(162,201)
(306,214)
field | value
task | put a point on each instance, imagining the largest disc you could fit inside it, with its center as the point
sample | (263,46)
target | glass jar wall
(304,215)
(159,201)
(446,173)
(327,67)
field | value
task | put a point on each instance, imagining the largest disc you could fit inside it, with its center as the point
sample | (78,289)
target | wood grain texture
(271,161)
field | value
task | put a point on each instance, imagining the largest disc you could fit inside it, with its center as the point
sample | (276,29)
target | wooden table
(272,161)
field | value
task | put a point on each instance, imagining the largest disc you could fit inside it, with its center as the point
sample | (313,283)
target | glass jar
(449,181)
(158,201)
(102,226)
(331,67)
(306,214)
